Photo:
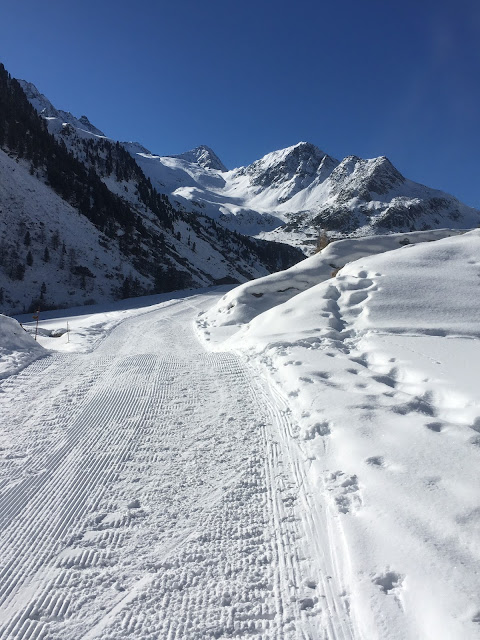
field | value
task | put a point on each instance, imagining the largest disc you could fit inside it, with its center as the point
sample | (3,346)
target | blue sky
(364,77)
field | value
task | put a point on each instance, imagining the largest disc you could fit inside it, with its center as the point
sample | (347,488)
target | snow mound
(426,289)
(242,304)
(17,348)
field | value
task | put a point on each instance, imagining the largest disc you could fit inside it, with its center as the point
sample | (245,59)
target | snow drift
(256,296)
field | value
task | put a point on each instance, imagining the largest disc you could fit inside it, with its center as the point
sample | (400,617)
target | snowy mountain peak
(45,108)
(377,175)
(204,156)
(87,124)
(302,151)
(136,147)
(298,166)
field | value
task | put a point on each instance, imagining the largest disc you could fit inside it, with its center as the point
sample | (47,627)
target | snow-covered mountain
(204,156)
(46,109)
(81,223)
(293,193)
(169,219)
(289,195)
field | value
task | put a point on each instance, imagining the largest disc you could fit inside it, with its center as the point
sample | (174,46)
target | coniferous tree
(55,240)
(18,272)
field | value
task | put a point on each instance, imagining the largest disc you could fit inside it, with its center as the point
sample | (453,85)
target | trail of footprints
(378,386)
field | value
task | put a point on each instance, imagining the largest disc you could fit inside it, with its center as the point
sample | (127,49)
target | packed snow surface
(149,491)
(309,471)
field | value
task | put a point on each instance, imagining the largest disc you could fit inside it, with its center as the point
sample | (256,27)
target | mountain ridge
(292,194)
(81,223)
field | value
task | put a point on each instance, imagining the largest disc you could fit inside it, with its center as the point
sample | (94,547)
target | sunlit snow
(294,458)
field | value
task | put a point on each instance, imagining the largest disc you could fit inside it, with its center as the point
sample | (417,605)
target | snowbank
(17,348)
(380,368)
(252,298)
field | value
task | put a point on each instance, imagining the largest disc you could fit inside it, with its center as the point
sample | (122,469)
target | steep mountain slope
(45,108)
(204,156)
(288,195)
(81,222)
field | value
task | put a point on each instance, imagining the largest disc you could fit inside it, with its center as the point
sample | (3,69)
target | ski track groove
(335,618)
(163,501)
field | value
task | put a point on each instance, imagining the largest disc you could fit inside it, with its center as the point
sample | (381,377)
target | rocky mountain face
(294,193)
(45,108)
(203,156)
(81,223)
(296,167)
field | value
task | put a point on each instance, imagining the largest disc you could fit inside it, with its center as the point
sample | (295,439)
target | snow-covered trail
(150,489)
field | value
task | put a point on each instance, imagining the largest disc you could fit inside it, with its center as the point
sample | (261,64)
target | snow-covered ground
(380,367)
(148,490)
(17,348)
(307,469)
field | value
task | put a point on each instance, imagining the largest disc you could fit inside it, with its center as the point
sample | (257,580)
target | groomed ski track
(154,490)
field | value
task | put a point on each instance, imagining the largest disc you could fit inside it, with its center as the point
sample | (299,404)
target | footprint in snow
(307,603)
(376,461)
(434,426)
(318,429)
(389,581)
(476,425)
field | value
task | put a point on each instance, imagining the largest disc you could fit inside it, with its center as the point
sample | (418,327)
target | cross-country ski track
(154,490)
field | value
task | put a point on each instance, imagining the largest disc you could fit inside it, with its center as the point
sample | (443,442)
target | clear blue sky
(364,77)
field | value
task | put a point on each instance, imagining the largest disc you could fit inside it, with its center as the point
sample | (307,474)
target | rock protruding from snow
(359,178)
(204,156)
(135,148)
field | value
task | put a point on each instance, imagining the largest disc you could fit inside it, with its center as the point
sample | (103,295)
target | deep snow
(17,347)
